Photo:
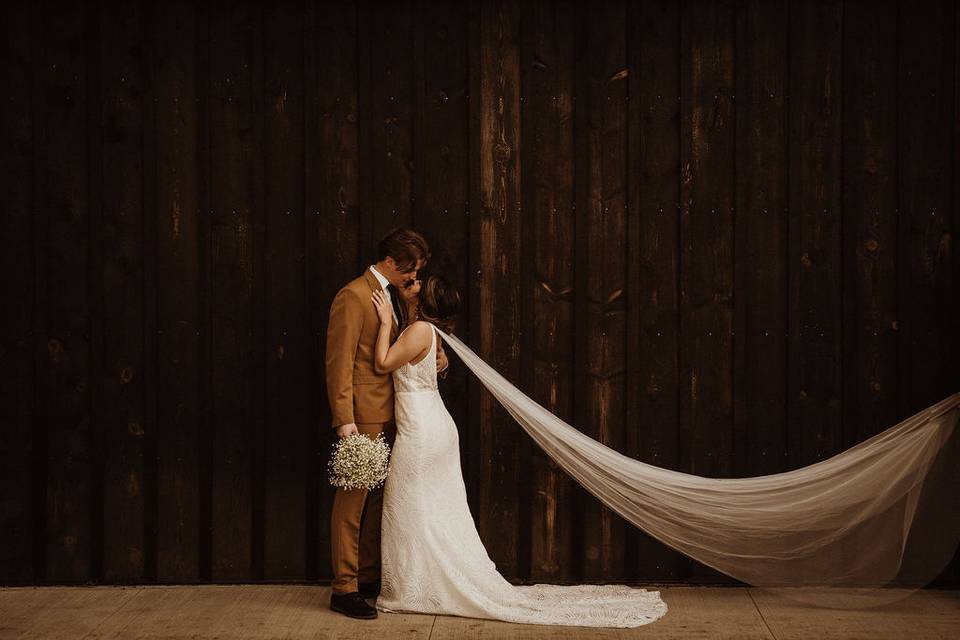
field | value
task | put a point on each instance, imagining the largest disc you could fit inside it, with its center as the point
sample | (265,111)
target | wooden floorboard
(60,612)
(929,614)
(259,612)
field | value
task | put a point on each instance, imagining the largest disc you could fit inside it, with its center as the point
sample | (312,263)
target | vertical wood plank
(177,170)
(120,241)
(18,410)
(952,574)
(149,285)
(924,168)
(288,338)
(387,87)
(814,401)
(64,313)
(96,291)
(474,462)
(439,142)
(234,345)
(205,438)
(440,147)
(869,240)
(870,296)
(495,329)
(653,259)
(760,308)
(601,86)
(332,192)
(706,227)
(547,147)
(259,341)
(706,235)
(955,327)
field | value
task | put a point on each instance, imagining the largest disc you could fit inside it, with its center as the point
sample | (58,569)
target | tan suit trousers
(355,527)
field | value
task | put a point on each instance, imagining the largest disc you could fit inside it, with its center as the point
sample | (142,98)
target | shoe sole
(350,615)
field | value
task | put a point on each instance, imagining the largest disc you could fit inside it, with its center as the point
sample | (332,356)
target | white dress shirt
(383,283)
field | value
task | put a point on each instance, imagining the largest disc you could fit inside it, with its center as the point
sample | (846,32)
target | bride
(433,560)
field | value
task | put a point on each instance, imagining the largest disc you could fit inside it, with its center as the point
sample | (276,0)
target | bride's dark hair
(439,302)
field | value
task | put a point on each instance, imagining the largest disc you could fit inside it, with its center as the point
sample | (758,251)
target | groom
(361,401)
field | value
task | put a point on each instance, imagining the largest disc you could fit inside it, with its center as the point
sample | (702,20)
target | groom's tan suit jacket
(357,393)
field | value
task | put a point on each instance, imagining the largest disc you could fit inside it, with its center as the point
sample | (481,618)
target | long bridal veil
(836,533)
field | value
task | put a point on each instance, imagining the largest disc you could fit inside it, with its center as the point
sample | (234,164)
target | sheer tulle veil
(863,528)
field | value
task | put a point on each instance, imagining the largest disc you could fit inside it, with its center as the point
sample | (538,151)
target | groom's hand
(441,361)
(345,430)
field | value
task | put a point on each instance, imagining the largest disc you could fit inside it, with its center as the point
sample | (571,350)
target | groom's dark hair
(405,246)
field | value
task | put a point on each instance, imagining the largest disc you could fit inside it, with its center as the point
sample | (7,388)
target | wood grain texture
(20,470)
(386,85)
(760,240)
(955,326)
(119,241)
(335,222)
(548,272)
(288,340)
(925,152)
(707,161)
(235,41)
(952,574)
(653,255)
(815,307)
(474,462)
(177,174)
(870,238)
(927,227)
(706,215)
(495,328)
(600,174)
(65,314)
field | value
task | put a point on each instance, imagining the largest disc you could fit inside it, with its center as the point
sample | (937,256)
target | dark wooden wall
(718,236)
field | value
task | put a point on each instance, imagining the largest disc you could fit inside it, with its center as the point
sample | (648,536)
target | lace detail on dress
(433,560)
(420,376)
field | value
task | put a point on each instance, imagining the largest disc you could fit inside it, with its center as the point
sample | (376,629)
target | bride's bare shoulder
(419,331)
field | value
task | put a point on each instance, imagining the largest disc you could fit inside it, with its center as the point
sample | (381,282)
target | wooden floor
(300,611)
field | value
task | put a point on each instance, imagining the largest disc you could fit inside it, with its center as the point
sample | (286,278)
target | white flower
(359,462)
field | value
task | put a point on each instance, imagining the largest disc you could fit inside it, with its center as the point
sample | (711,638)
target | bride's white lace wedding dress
(433,560)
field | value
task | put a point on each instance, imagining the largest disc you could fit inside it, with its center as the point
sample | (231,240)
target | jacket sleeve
(343,336)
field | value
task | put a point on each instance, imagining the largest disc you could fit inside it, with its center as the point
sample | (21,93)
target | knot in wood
(502,152)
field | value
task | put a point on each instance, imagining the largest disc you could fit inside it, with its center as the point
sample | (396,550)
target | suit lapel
(372,280)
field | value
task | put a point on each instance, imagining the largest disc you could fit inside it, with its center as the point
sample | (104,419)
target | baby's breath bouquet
(359,462)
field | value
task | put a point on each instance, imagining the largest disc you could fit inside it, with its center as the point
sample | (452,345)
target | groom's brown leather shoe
(353,605)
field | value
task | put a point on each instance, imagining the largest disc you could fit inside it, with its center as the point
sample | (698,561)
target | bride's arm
(411,342)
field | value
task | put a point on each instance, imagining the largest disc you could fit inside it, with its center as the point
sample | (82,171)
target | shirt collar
(379,276)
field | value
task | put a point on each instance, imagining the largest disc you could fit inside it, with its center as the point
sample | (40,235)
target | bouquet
(359,462)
